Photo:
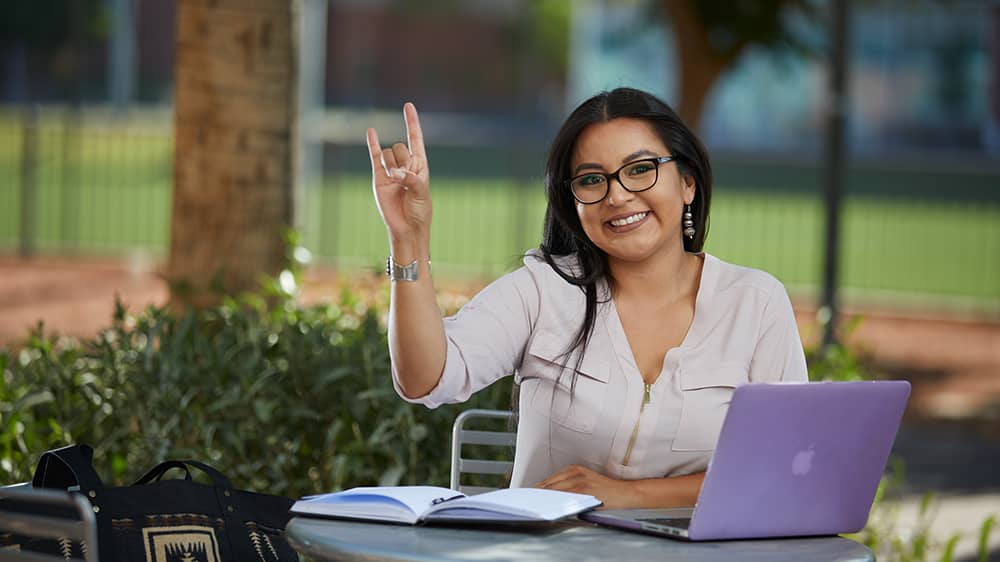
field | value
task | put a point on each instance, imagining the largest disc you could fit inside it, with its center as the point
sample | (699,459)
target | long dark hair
(562,232)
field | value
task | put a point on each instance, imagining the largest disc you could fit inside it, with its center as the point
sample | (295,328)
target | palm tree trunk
(235,149)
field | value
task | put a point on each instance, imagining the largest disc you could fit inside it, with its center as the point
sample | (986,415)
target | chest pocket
(572,405)
(706,393)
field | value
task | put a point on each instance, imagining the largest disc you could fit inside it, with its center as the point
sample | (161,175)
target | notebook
(430,504)
(793,459)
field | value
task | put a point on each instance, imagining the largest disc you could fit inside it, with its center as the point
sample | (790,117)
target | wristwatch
(398,272)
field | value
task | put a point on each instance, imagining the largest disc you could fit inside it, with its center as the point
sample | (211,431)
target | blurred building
(923,76)
(472,56)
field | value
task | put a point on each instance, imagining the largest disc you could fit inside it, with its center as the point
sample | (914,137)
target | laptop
(793,459)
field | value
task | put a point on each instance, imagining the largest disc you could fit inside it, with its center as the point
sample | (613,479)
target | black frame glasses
(574,183)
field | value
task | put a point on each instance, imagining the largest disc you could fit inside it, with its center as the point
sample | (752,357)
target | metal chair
(461,436)
(18,505)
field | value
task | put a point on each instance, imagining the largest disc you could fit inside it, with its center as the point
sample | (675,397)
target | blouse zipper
(635,430)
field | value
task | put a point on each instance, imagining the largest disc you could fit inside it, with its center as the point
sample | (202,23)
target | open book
(419,504)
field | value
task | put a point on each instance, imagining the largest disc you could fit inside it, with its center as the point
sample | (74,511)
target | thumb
(411,181)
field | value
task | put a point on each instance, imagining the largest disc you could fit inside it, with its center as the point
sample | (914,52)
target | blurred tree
(548,24)
(235,153)
(539,46)
(712,34)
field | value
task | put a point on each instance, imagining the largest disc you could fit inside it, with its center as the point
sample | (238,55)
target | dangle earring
(688,223)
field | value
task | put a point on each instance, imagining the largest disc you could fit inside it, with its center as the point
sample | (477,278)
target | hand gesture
(401,182)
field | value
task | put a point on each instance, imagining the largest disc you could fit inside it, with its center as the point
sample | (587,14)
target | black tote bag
(168,520)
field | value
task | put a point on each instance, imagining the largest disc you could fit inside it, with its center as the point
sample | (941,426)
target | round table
(327,539)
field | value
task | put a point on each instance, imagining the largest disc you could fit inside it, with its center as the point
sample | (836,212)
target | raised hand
(401,183)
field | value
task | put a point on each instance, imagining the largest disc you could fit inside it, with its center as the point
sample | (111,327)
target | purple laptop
(793,459)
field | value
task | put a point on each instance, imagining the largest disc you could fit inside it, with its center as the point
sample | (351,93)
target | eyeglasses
(636,176)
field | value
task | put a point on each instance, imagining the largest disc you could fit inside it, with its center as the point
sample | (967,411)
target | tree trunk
(235,146)
(700,64)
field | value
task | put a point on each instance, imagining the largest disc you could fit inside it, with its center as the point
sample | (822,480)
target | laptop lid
(793,459)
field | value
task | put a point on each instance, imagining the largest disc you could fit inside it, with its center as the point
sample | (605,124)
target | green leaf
(949,549)
(984,538)
(263,409)
(925,504)
(34,399)
(418,432)
(919,546)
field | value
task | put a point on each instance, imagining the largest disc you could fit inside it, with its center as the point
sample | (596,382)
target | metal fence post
(837,115)
(69,181)
(29,160)
(308,190)
(121,52)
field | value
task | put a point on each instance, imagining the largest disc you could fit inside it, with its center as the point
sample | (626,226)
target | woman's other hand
(401,183)
(676,491)
(616,494)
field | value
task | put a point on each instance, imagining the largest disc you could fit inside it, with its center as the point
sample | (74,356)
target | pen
(442,500)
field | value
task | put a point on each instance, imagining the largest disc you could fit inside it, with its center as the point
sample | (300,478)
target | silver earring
(688,223)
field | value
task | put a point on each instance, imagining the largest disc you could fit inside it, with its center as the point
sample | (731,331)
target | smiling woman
(636,221)
(625,338)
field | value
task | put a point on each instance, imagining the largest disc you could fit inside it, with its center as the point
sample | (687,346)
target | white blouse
(612,422)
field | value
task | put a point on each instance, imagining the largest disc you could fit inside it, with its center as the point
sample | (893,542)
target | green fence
(101,184)
(912,236)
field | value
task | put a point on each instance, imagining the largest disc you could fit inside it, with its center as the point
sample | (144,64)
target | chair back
(500,444)
(36,513)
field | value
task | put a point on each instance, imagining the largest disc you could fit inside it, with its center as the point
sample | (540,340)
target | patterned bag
(171,520)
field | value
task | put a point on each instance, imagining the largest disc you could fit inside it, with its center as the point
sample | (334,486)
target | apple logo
(802,463)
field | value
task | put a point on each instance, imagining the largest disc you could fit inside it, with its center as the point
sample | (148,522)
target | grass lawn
(114,196)
(107,190)
(891,245)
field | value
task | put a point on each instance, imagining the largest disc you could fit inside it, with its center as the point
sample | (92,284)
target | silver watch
(398,272)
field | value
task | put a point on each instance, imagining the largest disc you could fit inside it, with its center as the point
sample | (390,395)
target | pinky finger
(374,149)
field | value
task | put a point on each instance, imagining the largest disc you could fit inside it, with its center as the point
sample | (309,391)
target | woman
(626,340)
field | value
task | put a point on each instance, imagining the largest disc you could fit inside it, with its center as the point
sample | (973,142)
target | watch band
(398,272)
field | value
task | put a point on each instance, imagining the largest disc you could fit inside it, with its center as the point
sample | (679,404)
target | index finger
(414,135)
(553,479)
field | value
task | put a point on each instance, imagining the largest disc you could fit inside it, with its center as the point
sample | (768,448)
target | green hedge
(285,399)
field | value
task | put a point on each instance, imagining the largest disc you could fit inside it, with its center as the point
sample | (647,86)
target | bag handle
(72,468)
(156,473)
(68,468)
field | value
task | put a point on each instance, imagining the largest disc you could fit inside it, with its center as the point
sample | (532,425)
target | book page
(401,504)
(518,504)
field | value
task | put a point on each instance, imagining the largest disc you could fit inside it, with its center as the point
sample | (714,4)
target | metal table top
(327,539)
